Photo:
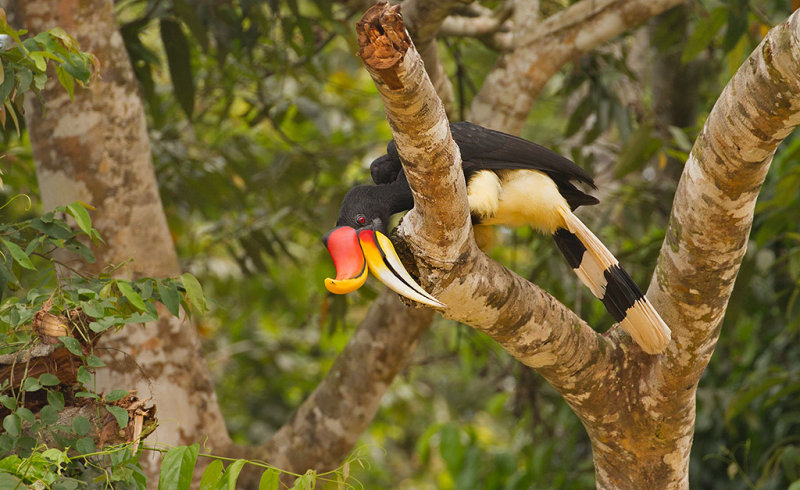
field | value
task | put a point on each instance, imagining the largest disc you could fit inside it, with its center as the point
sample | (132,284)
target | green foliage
(23,66)
(178,466)
(37,446)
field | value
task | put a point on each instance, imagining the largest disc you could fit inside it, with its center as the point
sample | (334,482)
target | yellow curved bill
(384,263)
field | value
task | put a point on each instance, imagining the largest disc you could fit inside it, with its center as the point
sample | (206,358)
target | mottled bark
(638,409)
(96,149)
(713,208)
(540,50)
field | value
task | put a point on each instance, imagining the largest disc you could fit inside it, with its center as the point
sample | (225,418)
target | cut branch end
(383,41)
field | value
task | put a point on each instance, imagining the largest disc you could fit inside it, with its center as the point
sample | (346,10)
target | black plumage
(486,149)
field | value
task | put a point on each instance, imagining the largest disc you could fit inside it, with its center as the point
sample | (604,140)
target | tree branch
(715,199)
(540,50)
(529,323)
(344,403)
(423,19)
(644,441)
(637,409)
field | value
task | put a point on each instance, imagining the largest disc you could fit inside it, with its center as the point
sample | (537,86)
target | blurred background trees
(260,119)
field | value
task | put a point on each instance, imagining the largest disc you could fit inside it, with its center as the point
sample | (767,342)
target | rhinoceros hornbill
(510,181)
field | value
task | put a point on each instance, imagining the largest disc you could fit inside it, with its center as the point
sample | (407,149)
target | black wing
(487,149)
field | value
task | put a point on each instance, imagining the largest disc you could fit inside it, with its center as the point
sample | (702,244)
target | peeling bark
(637,409)
(96,149)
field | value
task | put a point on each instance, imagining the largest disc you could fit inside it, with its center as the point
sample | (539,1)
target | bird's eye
(361,219)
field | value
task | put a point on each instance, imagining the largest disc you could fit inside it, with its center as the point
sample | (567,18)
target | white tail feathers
(600,271)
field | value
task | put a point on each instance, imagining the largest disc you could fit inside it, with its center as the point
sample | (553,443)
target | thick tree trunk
(96,149)
(638,409)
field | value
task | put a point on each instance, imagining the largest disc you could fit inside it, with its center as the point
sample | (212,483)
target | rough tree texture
(540,49)
(397,321)
(96,150)
(638,409)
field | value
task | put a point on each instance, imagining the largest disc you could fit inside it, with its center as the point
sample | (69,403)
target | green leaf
(69,42)
(19,255)
(44,40)
(168,291)
(12,424)
(94,309)
(8,84)
(38,60)
(31,384)
(194,292)
(84,376)
(94,361)
(228,481)
(72,345)
(54,229)
(704,33)
(55,399)
(211,475)
(270,480)
(48,415)
(85,445)
(24,79)
(8,402)
(6,444)
(66,81)
(78,211)
(127,290)
(26,415)
(48,379)
(116,395)
(39,81)
(7,480)
(120,414)
(81,425)
(87,394)
(451,448)
(177,468)
(180,69)
(78,66)
(640,147)
(305,481)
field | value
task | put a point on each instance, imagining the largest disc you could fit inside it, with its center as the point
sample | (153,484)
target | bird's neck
(398,195)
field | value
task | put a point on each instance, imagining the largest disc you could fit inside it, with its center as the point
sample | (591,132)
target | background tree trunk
(96,149)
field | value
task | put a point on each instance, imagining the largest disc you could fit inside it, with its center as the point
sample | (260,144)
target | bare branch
(344,403)
(460,26)
(541,49)
(714,203)
(529,323)
(645,441)
(423,19)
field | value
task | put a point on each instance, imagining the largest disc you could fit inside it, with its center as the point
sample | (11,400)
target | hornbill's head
(359,243)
